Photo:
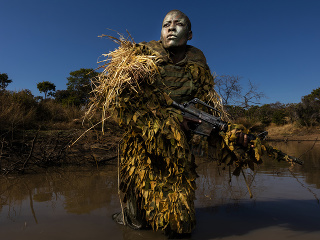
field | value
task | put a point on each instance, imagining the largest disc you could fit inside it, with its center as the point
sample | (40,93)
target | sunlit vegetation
(38,132)
(24,118)
(243,104)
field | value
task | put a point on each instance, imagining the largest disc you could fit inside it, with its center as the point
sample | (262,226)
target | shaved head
(184,15)
(176,30)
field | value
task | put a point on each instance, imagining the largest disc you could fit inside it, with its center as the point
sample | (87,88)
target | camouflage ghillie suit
(157,167)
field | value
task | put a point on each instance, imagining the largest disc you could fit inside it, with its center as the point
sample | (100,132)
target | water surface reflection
(77,203)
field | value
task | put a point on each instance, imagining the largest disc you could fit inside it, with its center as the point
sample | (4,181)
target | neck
(177,54)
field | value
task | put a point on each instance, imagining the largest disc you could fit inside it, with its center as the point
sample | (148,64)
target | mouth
(171,37)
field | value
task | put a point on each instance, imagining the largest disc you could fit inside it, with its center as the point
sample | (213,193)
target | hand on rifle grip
(243,140)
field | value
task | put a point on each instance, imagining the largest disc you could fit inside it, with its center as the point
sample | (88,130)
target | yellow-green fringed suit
(158,170)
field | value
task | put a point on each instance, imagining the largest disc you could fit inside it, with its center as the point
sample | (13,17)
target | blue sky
(273,43)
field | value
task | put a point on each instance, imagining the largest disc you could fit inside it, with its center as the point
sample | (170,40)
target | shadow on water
(297,216)
(77,203)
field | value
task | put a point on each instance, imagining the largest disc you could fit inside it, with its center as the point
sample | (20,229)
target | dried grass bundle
(124,67)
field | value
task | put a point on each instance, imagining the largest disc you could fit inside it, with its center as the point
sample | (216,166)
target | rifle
(279,155)
(203,123)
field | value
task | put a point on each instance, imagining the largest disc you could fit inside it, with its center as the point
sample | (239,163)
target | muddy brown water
(77,203)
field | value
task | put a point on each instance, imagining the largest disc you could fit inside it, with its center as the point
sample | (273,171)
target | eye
(166,25)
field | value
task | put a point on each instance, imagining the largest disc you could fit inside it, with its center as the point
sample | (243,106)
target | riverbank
(35,150)
(290,132)
(27,151)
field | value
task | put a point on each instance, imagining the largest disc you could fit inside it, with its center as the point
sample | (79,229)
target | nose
(172,27)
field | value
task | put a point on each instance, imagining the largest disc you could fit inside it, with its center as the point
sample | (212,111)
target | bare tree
(252,96)
(228,88)
(232,92)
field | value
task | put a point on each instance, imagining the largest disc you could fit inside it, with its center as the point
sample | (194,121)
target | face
(175,31)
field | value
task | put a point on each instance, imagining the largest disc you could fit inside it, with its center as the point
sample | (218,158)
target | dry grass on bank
(21,111)
(283,130)
(293,132)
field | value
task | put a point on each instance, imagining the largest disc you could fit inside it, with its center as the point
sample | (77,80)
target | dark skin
(175,34)
(243,140)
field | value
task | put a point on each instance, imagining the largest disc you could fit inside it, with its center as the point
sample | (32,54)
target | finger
(245,140)
(240,139)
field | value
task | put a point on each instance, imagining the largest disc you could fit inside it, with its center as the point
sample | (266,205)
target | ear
(190,35)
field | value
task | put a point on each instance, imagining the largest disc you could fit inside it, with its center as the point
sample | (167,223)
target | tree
(279,117)
(46,87)
(79,85)
(308,111)
(4,81)
(66,97)
(314,96)
(228,88)
(252,96)
(61,95)
(232,93)
(267,113)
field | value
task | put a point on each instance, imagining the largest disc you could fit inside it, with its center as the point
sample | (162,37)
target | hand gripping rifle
(203,123)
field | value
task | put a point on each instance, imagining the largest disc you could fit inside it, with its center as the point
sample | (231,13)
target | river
(77,203)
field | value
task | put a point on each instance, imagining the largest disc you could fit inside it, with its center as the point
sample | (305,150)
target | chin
(172,45)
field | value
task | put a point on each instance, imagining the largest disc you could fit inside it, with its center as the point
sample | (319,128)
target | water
(77,203)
